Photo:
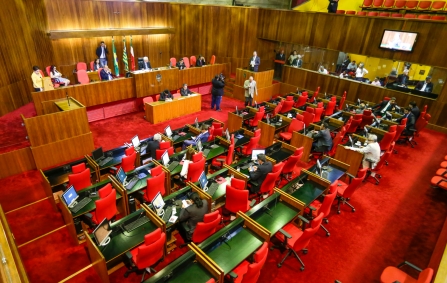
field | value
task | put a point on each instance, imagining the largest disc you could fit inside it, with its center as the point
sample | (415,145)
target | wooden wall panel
(16,162)
(57,126)
(61,151)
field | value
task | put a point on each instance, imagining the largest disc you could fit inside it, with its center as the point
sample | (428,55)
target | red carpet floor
(12,133)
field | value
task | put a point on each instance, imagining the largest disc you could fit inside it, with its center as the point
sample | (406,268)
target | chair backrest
(207,227)
(354,125)
(91,65)
(211,133)
(254,269)
(318,112)
(361,13)
(353,186)
(340,12)
(155,184)
(217,125)
(218,132)
(257,133)
(163,147)
(78,168)
(106,207)
(367,3)
(424,5)
(269,182)
(128,162)
(186,61)
(152,250)
(303,241)
(128,151)
(295,125)
(388,4)
(330,107)
(287,106)
(238,184)
(212,60)
(99,73)
(377,3)
(80,180)
(192,60)
(82,77)
(367,118)
(411,4)
(196,157)
(328,200)
(350,12)
(173,62)
(400,129)
(425,276)
(420,124)
(81,66)
(277,109)
(291,162)
(230,155)
(47,69)
(335,142)
(236,200)
(301,101)
(438,5)
(195,169)
(258,116)
(147,99)
(387,140)
(105,191)
(308,118)
(382,160)
(342,101)
(400,4)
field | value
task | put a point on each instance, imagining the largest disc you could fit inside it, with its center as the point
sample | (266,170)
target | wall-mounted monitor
(398,40)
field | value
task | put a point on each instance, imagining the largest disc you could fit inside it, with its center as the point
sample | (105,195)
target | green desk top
(193,272)
(280,212)
(142,183)
(309,192)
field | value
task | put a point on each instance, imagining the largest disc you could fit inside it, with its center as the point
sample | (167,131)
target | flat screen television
(398,40)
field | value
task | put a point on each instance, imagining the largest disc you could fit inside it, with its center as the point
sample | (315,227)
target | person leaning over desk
(322,139)
(371,152)
(190,215)
(185,91)
(153,145)
(165,96)
(258,173)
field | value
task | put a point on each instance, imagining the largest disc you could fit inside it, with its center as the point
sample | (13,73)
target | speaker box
(78,225)
(132,205)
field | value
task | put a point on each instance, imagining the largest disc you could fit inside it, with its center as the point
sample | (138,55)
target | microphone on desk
(68,100)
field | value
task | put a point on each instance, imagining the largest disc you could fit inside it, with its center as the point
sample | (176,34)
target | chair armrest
(253,202)
(287,235)
(113,168)
(302,218)
(350,175)
(312,208)
(409,264)
(220,159)
(232,275)
(128,255)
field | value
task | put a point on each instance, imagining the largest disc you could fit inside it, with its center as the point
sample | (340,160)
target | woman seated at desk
(192,213)
(165,96)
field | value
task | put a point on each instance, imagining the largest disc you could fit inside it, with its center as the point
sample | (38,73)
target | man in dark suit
(165,95)
(101,53)
(180,64)
(153,145)
(403,78)
(106,74)
(386,105)
(217,92)
(298,62)
(411,121)
(322,139)
(191,214)
(145,65)
(426,86)
(278,66)
(185,91)
(259,173)
(415,110)
(200,61)
(333,5)
(254,63)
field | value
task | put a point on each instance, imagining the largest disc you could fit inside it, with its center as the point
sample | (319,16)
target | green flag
(115,58)
(126,65)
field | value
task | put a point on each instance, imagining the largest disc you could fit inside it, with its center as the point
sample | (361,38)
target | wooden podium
(263,81)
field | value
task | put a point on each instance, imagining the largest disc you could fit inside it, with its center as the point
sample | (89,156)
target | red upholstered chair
(424,17)
(409,16)
(314,95)
(377,3)
(367,119)
(211,133)
(342,101)
(400,128)
(330,107)
(128,162)
(400,4)
(295,125)
(318,112)
(99,72)
(195,169)
(345,191)
(340,12)
(238,184)
(270,180)
(163,147)
(392,274)
(148,254)
(384,14)
(424,5)
(82,77)
(91,65)
(308,118)
(105,191)
(361,13)
(335,142)
(289,97)
(396,15)
(296,239)
(147,99)
(379,166)
(350,12)
(247,149)
(355,123)
(438,18)
(155,184)
(219,161)
(287,106)
(196,157)
(276,110)
(105,208)
(373,14)
(388,138)
(388,4)
(217,125)
(78,168)
(411,5)
(367,3)
(128,151)
(247,272)
(212,60)
(236,200)
(207,227)
(292,161)
(212,280)
(301,101)
(439,182)
(173,62)
(47,69)
(438,5)
(186,61)
(317,207)
(192,61)
(253,123)
(80,180)
(81,66)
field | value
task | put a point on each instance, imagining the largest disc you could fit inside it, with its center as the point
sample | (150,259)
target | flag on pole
(115,59)
(132,57)
(126,64)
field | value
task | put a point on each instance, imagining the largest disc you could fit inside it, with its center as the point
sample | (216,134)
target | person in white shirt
(371,153)
(54,74)
(360,72)
(376,82)
(344,74)
(322,70)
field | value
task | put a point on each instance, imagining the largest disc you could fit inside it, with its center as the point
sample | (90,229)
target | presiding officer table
(160,111)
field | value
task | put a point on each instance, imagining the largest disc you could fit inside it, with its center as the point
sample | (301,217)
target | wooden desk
(263,79)
(301,140)
(351,157)
(268,131)
(68,104)
(200,75)
(160,111)
(146,82)
(93,76)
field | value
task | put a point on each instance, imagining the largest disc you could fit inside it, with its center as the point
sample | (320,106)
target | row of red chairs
(191,61)
(404,5)
(440,180)
(393,15)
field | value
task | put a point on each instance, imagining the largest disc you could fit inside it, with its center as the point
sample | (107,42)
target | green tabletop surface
(278,215)
(193,272)
(309,192)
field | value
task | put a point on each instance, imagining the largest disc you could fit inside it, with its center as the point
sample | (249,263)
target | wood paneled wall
(16,161)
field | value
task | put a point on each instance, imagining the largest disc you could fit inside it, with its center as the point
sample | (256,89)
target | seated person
(57,77)
(188,157)
(360,109)
(344,74)
(386,105)
(191,215)
(411,121)
(352,67)
(298,62)
(165,96)
(106,74)
(322,139)
(153,145)
(426,86)
(145,65)
(393,73)
(403,78)
(96,65)
(204,135)
(259,173)
(415,109)
(322,70)
(37,79)
(376,82)
(371,152)
(185,91)
(200,61)
(180,64)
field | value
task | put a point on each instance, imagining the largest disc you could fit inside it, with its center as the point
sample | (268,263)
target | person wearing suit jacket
(191,214)
(386,105)
(278,66)
(96,65)
(332,7)
(200,61)
(102,52)
(322,139)
(203,137)
(298,62)
(185,91)
(153,145)
(426,86)
(250,90)
(165,95)
(259,173)
(180,64)
(145,65)
(411,121)
(254,63)
(106,74)
(415,110)
(217,92)
(403,78)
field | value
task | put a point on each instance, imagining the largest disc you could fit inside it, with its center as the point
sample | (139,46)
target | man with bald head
(145,65)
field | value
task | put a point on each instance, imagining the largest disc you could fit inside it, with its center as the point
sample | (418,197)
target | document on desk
(173,219)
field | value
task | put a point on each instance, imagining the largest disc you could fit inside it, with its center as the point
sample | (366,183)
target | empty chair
(400,4)
(128,162)
(377,3)
(292,161)
(318,112)
(396,15)
(308,118)
(295,125)
(438,5)
(192,60)
(247,149)
(409,16)
(379,166)
(219,161)
(80,180)
(212,60)
(388,4)
(249,272)
(301,101)
(388,138)
(173,62)
(361,13)
(186,61)
(253,123)
(236,200)
(81,66)
(399,130)
(424,17)
(392,274)
(82,77)
(438,18)
(373,14)
(147,99)
(287,106)
(350,12)
(355,123)
(78,168)
(195,169)
(146,256)
(340,12)
(270,180)
(207,227)
(317,207)
(384,14)
(155,184)
(105,207)
(411,5)
(342,102)
(211,133)
(164,146)
(345,191)
(367,3)
(330,107)
(424,5)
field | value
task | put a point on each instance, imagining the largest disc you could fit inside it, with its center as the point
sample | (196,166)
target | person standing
(360,72)
(36,76)
(255,61)
(250,90)
(278,66)
(217,92)
(101,53)
(333,5)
